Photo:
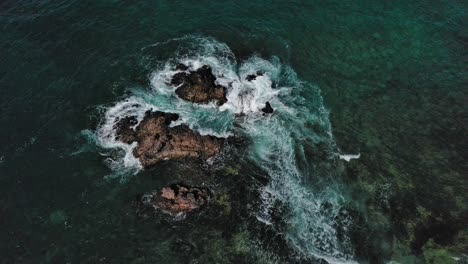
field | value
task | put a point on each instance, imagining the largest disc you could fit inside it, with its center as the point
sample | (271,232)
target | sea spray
(312,229)
(316,215)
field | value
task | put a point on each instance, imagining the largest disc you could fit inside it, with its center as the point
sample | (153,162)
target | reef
(175,200)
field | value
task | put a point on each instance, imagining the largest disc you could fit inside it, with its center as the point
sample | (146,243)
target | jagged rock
(156,141)
(198,86)
(267,109)
(176,200)
(124,126)
(252,77)
(181,67)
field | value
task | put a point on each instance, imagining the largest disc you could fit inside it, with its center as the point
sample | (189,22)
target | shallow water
(383,80)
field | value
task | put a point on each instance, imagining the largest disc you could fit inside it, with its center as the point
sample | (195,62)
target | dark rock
(252,77)
(156,141)
(124,127)
(178,78)
(176,200)
(267,109)
(199,86)
(181,67)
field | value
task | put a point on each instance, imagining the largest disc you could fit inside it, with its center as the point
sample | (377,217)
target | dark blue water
(386,80)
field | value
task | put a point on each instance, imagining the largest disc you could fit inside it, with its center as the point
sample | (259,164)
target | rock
(198,86)
(252,77)
(267,109)
(176,200)
(124,127)
(156,141)
(181,67)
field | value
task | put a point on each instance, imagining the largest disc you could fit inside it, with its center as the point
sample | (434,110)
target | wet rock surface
(124,129)
(156,141)
(252,77)
(267,109)
(176,200)
(198,86)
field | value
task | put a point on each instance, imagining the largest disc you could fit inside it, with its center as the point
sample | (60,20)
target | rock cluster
(157,141)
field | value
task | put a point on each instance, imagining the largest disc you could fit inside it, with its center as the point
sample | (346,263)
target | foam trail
(312,229)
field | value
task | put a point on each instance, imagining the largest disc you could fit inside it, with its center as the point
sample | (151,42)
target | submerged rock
(267,109)
(156,141)
(58,217)
(198,86)
(176,200)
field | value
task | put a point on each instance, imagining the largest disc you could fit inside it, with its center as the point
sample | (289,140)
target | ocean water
(363,160)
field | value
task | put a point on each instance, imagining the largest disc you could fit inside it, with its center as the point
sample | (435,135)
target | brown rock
(168,193)
(156,141)
(175,200)
(198,86)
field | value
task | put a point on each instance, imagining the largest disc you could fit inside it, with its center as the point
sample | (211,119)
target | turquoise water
(382,82)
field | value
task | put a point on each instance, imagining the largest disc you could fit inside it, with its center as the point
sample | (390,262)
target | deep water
(385,81)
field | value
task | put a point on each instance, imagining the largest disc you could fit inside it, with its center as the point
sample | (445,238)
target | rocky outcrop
(156,141)
(198,86)
(176,200)
(124,129)
(267,109)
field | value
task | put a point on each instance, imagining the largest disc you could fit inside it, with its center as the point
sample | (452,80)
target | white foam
(106,133)
(249,97)
(349,157)
(312,229)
